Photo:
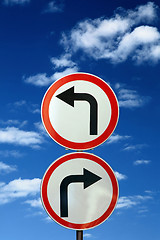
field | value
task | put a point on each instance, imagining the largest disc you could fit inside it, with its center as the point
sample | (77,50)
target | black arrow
(69,97)
(88,178)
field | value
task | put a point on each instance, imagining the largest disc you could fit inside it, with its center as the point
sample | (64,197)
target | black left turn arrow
(88,178)
(69,97)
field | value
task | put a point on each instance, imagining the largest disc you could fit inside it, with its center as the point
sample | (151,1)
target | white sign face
(80,111)
(79,191)
(76,125)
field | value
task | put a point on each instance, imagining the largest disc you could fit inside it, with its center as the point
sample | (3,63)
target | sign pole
(79,235)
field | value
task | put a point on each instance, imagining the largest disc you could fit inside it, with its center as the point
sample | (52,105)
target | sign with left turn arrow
(79,191)
(80,111)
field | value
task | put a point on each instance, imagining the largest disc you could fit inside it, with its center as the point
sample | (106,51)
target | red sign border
(56,164)
(85,145)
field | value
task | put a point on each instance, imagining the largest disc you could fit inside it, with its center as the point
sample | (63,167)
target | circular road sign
(79,191)
(80,111)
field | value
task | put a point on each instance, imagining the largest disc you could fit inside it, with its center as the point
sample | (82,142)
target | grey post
(79,235)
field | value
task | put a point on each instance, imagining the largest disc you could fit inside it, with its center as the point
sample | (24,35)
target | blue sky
(41,41)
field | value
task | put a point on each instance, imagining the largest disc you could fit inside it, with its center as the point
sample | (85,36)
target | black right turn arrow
(69,97)
(88,178)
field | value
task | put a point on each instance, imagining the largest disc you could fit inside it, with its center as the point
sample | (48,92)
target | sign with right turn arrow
(79,191)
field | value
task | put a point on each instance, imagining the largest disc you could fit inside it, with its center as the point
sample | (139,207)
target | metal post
(79,235)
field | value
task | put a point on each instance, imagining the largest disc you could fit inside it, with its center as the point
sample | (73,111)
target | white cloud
(141,162)
(67,71)
(128,98)
(41,79)
(13,135)
(91,33)
(151,53)
(130,148)
(10,153)
(36,203)
(41,128)
(63,64)
(4,168)
(15,2)
(145,13)
(125,202)
(136,43)
(120,176)
(22,104)
(34,108)
(87,235)
(19,188)
(13,122)
(48,220)
(130,201)
(114,138)
(143,211)
(9,122)
(134,147)
(95,36)
(121,37)
(63,61)
(54,7)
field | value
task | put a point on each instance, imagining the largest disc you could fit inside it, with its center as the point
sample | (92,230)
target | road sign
(80,111)
(79,191)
